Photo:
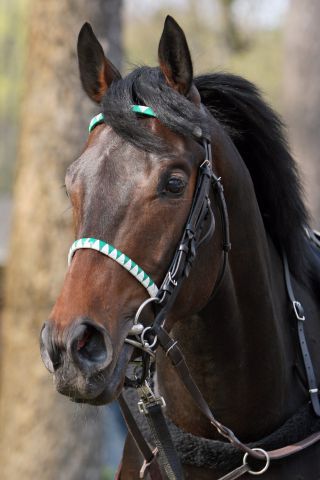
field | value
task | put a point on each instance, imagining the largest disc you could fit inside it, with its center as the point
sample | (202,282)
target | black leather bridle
(185,254)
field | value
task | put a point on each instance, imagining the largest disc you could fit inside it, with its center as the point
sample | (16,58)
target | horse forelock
(147,86)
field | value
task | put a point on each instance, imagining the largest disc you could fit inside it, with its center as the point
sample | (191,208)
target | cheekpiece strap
(112,252)
(141,109)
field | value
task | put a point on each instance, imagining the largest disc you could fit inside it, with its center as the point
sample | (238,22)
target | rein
(148,338)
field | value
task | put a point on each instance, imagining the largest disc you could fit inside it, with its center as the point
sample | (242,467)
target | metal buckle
(298,310)
(148,399)
(143,404)
(172,280)
(265,468)
(146,464)
(205,163)
(313,390)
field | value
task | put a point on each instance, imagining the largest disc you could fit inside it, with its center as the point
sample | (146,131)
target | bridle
(149,338)
(186,251)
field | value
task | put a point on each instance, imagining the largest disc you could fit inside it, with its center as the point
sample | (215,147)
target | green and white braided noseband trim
(119,257)
(135,108)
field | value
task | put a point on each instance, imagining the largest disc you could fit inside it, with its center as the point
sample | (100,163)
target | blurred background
(43,125)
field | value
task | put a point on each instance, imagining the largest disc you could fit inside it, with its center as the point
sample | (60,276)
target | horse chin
(105,387)
(114,382)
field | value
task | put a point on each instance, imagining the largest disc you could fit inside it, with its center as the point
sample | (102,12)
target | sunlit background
(43,121)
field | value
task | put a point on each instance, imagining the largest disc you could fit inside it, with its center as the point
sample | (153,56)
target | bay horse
(135,193)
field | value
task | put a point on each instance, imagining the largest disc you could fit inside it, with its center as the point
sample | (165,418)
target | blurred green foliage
(256,55)
(108,474)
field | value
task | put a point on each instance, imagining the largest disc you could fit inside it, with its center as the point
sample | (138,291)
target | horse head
(131,191)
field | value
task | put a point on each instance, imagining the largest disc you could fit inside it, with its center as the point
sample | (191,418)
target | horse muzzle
(78,357)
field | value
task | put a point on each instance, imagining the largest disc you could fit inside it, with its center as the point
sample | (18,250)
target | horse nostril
(90,346)
(50,356)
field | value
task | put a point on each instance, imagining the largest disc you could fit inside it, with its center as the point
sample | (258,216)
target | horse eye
(175,185)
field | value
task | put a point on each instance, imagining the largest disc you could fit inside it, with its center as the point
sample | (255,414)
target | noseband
(119,257)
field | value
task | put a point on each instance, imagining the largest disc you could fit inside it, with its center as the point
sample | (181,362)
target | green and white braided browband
(119,257)
(135,108)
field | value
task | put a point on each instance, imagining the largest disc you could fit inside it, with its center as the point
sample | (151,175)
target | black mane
(255,129)
(258,134)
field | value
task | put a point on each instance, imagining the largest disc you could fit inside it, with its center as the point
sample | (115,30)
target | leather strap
(191,238)
(134,430)
(289,450)
(150,464)
(168,456)
(300,316)
(151,469)
(238,472)
(224,218)
(172,350)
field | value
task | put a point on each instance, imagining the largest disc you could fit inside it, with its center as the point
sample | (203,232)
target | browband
(143,110)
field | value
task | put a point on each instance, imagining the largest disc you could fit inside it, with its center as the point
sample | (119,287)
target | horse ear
(96,71)
(174,57)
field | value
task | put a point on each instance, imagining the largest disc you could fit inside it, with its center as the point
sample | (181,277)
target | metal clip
(298,310)
(148,399)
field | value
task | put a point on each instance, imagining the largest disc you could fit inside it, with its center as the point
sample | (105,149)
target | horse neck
(234,346)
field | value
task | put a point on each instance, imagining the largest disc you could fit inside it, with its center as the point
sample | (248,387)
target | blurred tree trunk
(302,93)
(231,35)
(43,435)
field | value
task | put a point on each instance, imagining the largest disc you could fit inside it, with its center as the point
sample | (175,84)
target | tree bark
(302,93)
(43,435)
